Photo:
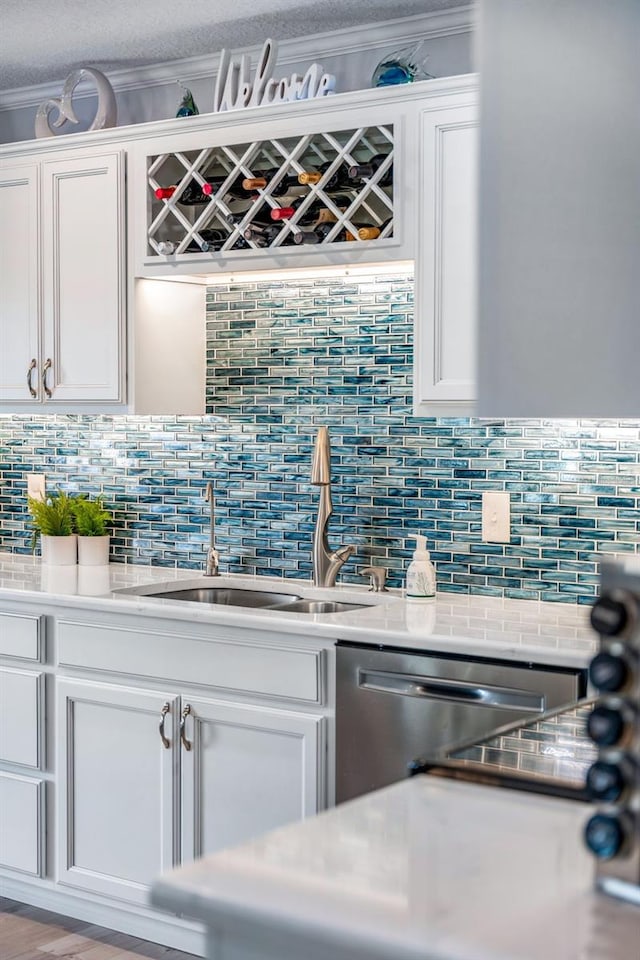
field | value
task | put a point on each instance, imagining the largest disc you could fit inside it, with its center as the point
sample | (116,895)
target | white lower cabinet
(245,770)
(117,800)
(21,824)
(146,778)
(20,717)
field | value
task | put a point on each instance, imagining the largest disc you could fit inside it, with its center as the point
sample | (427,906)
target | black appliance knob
(605,782)
(605,726)
(609,616)
(609,672)
(604,834)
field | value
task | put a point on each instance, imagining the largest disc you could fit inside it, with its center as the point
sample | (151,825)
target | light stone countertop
(523,630)
(427,869)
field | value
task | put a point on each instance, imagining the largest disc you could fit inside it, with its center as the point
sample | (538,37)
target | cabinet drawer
(20,636)
(21,810)
(20,717)
(228,664)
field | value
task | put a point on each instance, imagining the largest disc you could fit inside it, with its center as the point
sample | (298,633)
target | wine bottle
(191,193)
(339,179)
(288,184)
(235,189)
(213,240)
(362,171)
(263,235)
(319,234)
(194,192)
(316,212)
(370,232)
(261,217)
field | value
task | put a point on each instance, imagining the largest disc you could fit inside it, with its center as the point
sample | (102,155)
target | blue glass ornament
(188,107)
(403,66)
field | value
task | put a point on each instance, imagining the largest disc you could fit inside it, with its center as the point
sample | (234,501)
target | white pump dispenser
(421,575)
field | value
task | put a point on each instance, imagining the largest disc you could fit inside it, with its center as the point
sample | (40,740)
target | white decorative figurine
(106,114)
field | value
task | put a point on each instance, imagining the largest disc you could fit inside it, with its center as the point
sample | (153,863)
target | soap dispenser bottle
(421,575)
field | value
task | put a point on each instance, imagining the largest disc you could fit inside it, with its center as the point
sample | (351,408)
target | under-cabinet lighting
(398,268)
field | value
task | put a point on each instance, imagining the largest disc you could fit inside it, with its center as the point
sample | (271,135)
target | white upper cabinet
(83,278)
(19,288)
(356,203)
(445,319)
(390,176)
(63,282)
(559,330)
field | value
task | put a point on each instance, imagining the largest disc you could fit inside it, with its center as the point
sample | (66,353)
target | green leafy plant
(52,517)
(90,517)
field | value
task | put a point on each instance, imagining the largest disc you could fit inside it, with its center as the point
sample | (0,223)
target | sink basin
(229,596)
(320,606)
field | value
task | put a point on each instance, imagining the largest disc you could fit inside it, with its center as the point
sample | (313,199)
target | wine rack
(351,189)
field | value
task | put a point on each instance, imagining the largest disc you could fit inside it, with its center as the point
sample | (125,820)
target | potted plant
(53,523)
(91,524)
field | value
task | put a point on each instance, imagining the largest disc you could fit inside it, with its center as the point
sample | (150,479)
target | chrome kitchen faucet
(325,563)
(213,557)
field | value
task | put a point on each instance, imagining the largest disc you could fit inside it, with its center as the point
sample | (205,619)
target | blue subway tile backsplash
(284,357)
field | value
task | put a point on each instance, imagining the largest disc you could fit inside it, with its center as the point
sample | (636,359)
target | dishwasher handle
(455,691)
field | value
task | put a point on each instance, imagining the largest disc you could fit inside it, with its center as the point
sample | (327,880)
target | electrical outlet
(36,488)
(496,516)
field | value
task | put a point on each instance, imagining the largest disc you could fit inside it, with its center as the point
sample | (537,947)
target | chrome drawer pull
(185,713)
(163,716)
(47,366)
(433,688)
(32,367)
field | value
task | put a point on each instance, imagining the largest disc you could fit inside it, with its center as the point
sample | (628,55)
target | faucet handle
(378,576)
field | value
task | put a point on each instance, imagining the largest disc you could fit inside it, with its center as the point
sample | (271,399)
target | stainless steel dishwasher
(395,705)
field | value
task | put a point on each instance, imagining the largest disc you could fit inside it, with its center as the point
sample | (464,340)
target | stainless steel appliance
(613,832)
(395,705)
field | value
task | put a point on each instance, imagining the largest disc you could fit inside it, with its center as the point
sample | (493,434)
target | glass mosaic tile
(284,358)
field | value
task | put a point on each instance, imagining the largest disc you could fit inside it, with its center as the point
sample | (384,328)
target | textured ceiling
(42,40)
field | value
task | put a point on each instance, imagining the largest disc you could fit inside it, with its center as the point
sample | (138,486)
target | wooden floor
(30,934)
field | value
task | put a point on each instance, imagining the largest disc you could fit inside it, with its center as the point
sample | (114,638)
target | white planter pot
(59,551)
(93,551)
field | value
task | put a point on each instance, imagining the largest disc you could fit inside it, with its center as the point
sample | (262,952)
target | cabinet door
(21,824)
(84,278)
(19,266)
(248,770)
(445,319)
(21,709)
(117,788)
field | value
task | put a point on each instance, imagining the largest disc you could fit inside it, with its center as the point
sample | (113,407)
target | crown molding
(426,26)
(348,103)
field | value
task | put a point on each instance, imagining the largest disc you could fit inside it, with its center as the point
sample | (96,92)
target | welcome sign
(235,89)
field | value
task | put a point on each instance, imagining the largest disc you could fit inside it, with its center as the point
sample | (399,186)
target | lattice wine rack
(323,188)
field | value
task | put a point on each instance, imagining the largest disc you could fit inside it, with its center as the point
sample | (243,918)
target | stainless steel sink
(229,596)
(320,606)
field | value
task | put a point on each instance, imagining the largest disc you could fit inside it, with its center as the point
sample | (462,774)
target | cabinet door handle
(46,389)
(163,716)
(32,367)
(185,713)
